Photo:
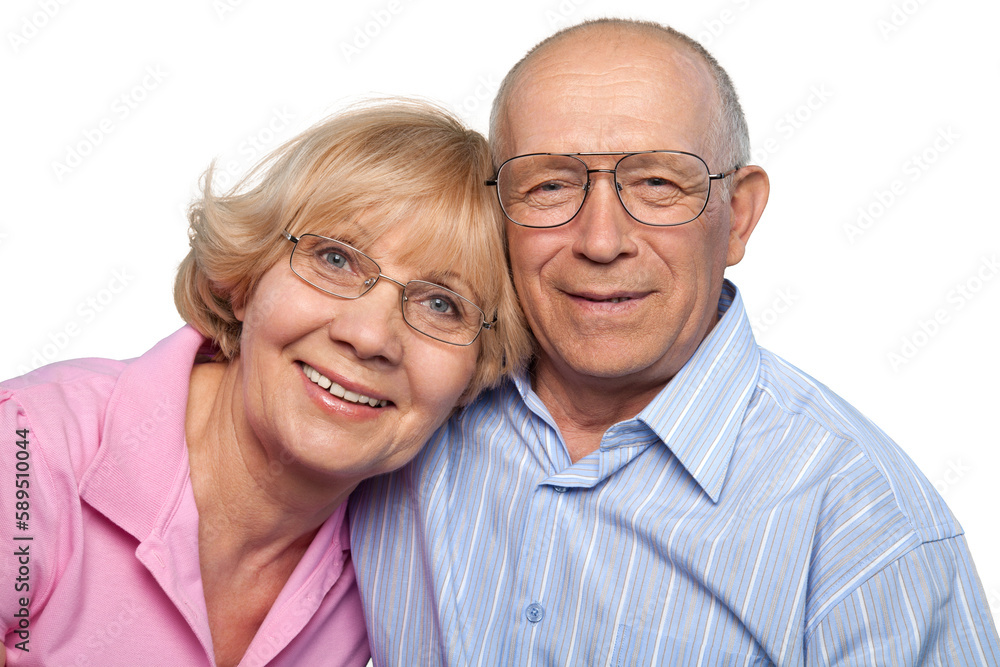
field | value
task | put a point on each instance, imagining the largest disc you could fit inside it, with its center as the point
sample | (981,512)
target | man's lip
(346,384)
(605,296)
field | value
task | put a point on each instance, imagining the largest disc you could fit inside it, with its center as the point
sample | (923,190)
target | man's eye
(656,182)
(551,193)
(549,187)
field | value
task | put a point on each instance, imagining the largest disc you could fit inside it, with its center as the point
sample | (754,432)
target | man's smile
(605,296)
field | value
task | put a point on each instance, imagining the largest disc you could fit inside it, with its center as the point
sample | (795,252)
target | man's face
(606,296)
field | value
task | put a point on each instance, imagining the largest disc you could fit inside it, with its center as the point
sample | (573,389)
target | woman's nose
(372,325)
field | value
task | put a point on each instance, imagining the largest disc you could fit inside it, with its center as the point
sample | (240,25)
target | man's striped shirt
(747,516)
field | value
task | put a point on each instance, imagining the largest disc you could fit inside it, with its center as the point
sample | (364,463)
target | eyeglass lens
(657,188)
(339,269)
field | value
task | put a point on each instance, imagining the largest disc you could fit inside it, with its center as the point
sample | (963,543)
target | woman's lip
(338,407)
(346,384)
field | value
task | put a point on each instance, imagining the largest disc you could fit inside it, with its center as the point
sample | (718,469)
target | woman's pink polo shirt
(104,547)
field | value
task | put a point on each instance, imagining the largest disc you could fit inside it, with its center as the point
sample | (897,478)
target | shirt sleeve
(29,523)
(926,607)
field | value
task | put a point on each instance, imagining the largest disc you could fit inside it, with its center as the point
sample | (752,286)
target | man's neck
(584,408)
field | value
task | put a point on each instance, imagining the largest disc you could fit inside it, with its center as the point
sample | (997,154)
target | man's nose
(604,227)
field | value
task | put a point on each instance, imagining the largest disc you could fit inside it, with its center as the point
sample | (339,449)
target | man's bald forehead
(610,41)
(586,35)
(609,35)
(609,47)
(607,32)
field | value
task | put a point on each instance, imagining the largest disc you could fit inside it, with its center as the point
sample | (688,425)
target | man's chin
(606,360)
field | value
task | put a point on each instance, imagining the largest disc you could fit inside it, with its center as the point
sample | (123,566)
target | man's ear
(747,199)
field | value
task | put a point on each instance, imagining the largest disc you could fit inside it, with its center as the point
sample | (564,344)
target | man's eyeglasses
(658,188)
(342,271)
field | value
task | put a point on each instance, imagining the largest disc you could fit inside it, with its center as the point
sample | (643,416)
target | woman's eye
(439,305)
(335,259)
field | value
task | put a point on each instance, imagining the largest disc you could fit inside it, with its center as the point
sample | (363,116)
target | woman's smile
(360,398)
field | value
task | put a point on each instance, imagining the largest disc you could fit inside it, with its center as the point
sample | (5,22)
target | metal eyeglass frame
(369,283)
(618,188)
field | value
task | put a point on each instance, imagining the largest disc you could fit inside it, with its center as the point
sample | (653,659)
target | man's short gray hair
(730,138)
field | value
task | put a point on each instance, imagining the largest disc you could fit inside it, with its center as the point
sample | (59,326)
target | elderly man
(657,490)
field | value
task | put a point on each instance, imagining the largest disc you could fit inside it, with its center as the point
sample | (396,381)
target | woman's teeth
(338,391)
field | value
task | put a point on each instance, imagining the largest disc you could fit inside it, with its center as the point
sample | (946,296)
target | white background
(840,98)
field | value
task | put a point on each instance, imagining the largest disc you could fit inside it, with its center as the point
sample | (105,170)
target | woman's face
(364,346)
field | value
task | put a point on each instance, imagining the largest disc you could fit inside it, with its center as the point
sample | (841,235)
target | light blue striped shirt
(747,516)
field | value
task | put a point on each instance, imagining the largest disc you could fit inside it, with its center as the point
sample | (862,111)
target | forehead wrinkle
(608,48)
(621,76)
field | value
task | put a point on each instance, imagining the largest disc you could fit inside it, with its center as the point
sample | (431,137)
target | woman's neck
(256,496)
(257,513)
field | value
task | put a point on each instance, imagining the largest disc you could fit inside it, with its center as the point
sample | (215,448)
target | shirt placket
(548,534)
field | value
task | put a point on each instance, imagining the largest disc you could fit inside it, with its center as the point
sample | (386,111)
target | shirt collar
(699,412)
(139,480)
(142,451)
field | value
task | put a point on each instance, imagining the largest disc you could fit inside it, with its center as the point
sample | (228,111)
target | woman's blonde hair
(362,172)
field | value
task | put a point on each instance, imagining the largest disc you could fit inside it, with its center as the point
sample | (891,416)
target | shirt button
(534,612)
(559,489)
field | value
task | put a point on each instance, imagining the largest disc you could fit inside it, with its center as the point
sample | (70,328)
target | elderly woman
(188,507)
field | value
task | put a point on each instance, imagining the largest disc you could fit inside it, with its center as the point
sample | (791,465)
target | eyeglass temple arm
(715,177)
(294,217)
(490,325)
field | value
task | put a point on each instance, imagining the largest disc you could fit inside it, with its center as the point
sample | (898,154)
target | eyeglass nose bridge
(618,186)
(618,189)
(369,283)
